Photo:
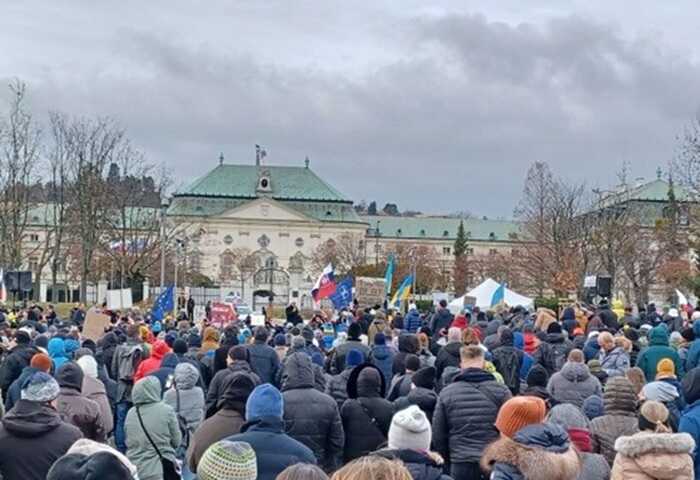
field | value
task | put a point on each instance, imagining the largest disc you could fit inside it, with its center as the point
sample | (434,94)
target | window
(422,233)
(34,237)
(330,243)
(470,251)
(492,236)
(446,250)
(398,232)
(33,264)
(244,234)
(228,239)
(299,242)
(284,234)
(445,233)
(492,251)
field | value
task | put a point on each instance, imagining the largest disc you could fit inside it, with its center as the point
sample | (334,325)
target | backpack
(129,359)
(507,361)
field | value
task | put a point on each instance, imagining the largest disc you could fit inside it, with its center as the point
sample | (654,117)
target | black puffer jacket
(337,386)
(408,344)
(264,361)
(422,466)
(424,398)
(337,364)
(448,357)
(508,360)
(463,423)
(311,417)
(216,388)
(366,414)
(552,353)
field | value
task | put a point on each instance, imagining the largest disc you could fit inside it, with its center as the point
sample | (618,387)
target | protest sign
(95,324)
(222,313)
(370,291)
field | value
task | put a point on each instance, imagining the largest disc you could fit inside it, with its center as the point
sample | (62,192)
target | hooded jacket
(75,408)
(57,352)
(190,407)
(424,398)
(216,387)
(264,361)
(654,456)
(657,351)
(536,452)
(552,353)
(412,322)
(448,356)
(166,372)
(32,438)
(366,414)
(161,423)
(508,360)
(463,422)
(95,390)
(408,344)
(693,358)
(614,363)
(227,421)
(382,356)
(573,384)
(152,363)
(441,320)
(13,365)
(319,428)
(620,417)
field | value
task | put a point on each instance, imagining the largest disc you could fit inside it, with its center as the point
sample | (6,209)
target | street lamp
(376,245)
(163,212)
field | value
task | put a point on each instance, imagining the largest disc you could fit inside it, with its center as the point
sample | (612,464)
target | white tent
(484,293)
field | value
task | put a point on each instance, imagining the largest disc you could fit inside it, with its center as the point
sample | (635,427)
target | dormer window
(264,183)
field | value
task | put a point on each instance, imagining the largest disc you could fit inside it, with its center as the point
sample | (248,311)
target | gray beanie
(410,430)
(568,416)
(40,387)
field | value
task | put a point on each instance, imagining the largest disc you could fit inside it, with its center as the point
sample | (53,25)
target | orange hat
(519,412)
(665,369)
(41,361)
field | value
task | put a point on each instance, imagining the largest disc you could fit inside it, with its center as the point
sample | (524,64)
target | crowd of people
(504,394)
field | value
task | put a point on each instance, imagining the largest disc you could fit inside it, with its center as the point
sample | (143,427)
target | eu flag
(163,304)
(343,294)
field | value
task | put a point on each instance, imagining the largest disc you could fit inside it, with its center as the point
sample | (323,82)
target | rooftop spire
(260,153)
(659,173)
(306,162)
(221,158)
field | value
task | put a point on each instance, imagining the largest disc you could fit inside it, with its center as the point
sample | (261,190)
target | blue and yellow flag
(389,275)
(403,292)
(498,295)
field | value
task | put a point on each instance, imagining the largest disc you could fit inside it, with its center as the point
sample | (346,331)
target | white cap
(673,312)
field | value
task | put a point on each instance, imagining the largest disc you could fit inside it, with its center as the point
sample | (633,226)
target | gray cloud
(439,111)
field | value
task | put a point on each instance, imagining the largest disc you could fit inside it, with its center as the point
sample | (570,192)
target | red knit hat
(41,361)
(519,412)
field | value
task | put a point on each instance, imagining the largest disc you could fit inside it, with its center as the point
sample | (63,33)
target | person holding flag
(163,304)
(325,285)
(389,274)
(403,292)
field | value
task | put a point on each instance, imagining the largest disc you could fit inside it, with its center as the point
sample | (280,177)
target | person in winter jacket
(574,382)
(149,414)
(152,363)
(263,358)
(127,357)
(94,390)
(508,360)
(422,393)
(536,382)
(382,356)
(597,371)
(366,414)
(448,356)
(166,372)
(210,340)
(529,449)
(32,434)
(227,421)
(613,359)
(463,422)
(39,363)
(401,384)
(319,428)
(693,357)
(187,400)
(591,349)
(552,353)
(620,417)
(570,418)
(412,322)
(658,349)
(409,441)
(75,408)
(593,407)
(237,363)
(57,352)
(264,432)
(353,342)
(654,453)
(408,345)
(441,320)
(426,356)
(337,385)
(87,459)
(690,420)
(14,363)
(530,340)
(378,325)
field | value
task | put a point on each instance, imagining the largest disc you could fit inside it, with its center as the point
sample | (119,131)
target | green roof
(137,218)
(443,228)
(240,181)
(654,191)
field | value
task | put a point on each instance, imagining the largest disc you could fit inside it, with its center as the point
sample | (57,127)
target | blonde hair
(605,337)
(373,468)
(423,341)
(623,342)
(656,413)
(471,352)
(469,337)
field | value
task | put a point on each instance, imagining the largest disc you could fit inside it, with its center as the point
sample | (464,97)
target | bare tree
(345,253)
(20,138)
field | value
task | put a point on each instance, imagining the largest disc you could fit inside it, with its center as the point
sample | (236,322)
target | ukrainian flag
(403,292)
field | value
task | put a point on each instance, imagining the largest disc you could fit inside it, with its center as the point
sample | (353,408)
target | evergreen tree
(372,209)
(461,243)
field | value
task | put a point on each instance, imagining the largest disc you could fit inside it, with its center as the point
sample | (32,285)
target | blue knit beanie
(264,401)
(380,339)
(354,358)
(593,407)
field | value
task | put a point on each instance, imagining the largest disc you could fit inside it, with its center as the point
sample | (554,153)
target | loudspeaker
(604,286)
(25,281)
(11,280)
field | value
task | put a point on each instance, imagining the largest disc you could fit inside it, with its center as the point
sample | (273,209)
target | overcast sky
(438,106)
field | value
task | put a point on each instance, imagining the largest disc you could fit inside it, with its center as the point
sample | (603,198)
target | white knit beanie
(410,430)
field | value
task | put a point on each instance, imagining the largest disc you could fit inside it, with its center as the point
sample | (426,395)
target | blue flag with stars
(163,304)
(343,294)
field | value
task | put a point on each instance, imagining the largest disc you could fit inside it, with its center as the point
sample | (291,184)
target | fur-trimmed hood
(644,443)
(533,457)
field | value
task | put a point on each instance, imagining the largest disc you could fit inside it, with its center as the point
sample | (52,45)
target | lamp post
(163,211)
(376,245)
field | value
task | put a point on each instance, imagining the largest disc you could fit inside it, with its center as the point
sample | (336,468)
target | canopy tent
(484,294)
